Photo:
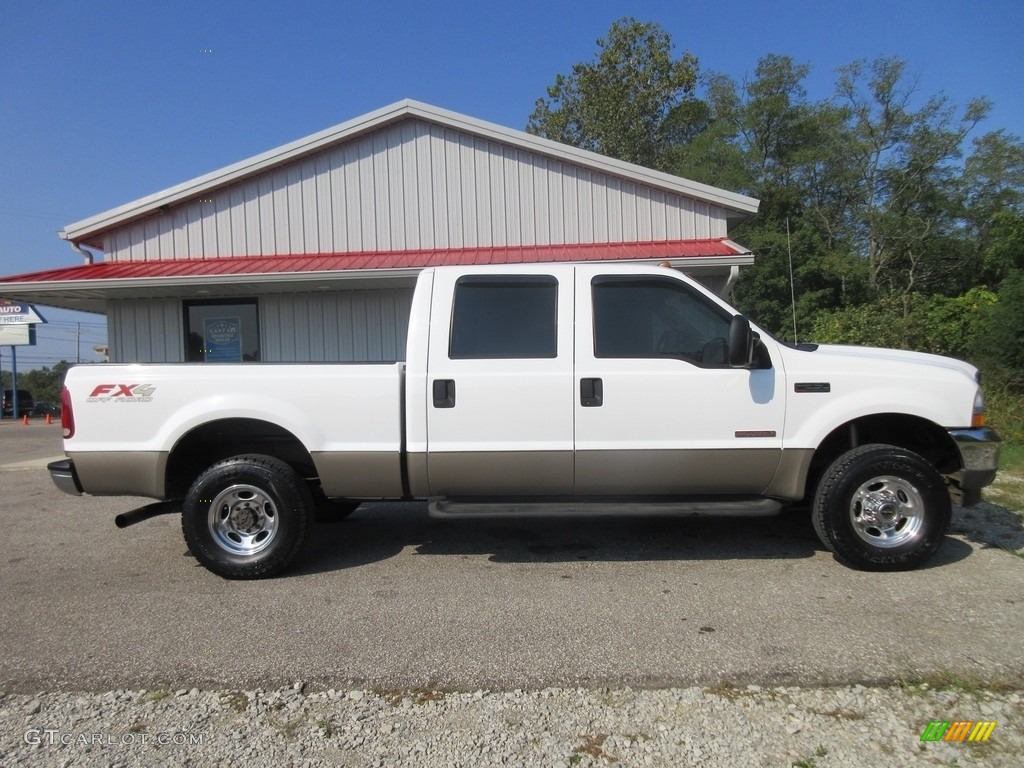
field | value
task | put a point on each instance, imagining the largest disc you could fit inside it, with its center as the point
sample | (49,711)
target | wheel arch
(213,441)
(913,433)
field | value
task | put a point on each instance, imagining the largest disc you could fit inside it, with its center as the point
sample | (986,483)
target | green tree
(791,157)
(998,344)
(630,103)
(43,383)
(869,215)
(993,182)
(904,164)
(1005,246)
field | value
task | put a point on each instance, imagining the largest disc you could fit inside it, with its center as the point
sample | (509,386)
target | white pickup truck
(585,389)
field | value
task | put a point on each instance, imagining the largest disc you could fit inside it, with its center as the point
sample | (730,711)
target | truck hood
(919,360)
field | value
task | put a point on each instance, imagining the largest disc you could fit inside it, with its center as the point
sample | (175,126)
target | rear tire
(247,517)
(881,508)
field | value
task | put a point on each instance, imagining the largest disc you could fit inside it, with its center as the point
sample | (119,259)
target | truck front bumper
(979,460)
(64,476)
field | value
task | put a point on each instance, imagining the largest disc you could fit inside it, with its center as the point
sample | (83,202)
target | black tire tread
(296,500)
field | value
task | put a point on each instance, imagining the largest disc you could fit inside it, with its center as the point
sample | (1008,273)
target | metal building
(309,252)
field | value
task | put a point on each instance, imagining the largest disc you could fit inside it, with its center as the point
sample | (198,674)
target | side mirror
(741,343)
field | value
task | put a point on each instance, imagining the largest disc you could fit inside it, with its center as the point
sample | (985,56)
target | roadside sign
(17,335)
(16,313)
(17,328)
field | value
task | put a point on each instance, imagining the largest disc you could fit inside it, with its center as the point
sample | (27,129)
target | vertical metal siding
(146,331)
(415,185)
(343,326)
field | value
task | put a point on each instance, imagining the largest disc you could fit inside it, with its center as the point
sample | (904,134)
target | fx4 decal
(122,393)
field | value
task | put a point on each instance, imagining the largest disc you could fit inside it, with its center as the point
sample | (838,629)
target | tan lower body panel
(500,473)
(611,473)
(378,475)
(121,473)
(360,474)
(682,472)
(790,480)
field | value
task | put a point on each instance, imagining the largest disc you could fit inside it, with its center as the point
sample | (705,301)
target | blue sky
(105,102)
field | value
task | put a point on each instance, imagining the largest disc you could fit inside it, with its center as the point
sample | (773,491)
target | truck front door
(658,409)
(500,385)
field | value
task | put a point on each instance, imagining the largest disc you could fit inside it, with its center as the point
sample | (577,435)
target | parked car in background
(25,403)
(44,409)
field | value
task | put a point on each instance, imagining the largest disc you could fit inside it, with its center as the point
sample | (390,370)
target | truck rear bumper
(65,477)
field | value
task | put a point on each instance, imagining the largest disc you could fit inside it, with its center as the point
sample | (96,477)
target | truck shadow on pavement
(991,526)
(377,532)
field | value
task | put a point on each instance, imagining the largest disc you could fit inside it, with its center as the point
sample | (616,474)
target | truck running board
(570,508)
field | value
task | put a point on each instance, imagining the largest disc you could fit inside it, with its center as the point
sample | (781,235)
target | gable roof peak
(86,229)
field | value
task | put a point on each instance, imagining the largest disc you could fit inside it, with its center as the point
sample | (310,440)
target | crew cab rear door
(658,409)
(499,382)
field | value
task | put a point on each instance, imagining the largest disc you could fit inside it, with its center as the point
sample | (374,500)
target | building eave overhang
(87,230)
(88,287)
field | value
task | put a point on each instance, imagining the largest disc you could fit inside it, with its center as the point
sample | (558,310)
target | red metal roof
(366,260)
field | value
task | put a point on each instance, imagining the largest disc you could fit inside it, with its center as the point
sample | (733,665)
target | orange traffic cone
(24,419)
(49,420)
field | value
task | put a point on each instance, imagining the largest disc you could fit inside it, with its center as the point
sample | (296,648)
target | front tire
(247,517)
(881,508)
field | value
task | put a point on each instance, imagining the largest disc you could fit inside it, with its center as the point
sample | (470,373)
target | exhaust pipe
(144,513)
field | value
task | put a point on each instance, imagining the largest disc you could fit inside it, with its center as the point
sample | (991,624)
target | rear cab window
(504,317)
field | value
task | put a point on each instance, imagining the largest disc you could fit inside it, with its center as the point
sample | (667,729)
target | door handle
(444,393)
(591,393)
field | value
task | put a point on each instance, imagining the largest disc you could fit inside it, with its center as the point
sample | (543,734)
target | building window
(637,317)
(222,331)
(505,316)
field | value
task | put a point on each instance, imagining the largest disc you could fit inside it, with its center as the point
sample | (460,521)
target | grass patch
(1011,458)
(592,743)
(947,680)
(1013,552)
(417,696)
(723,689)
(326,727)
(1005,410)
(1008,488)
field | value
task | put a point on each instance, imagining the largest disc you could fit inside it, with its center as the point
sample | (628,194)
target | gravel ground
(785,726)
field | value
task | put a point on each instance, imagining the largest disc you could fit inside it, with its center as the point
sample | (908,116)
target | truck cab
(578,381)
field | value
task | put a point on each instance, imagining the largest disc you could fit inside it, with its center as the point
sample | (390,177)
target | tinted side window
(657,317)
(504,316)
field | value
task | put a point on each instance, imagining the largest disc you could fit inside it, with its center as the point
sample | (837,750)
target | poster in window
(223,339)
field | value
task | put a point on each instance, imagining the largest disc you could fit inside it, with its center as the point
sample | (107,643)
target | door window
(652,317)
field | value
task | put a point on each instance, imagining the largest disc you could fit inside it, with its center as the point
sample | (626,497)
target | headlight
(978,416)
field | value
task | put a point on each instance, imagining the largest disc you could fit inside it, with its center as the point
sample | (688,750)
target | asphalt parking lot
(394,599)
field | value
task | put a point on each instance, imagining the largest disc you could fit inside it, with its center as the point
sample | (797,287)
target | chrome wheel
(243,519)
(887,511)
(879,507)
